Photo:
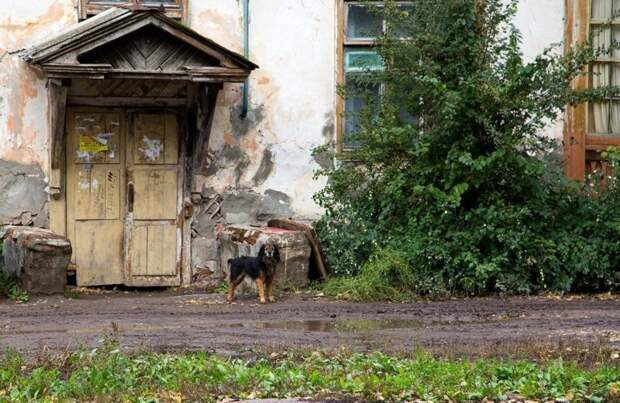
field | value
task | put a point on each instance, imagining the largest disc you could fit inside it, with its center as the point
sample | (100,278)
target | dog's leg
(270,289)
(260,284)
(231,287)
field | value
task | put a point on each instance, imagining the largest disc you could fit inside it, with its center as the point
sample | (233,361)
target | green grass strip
(107,374)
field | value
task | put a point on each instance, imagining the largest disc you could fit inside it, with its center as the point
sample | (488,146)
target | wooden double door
(124,196)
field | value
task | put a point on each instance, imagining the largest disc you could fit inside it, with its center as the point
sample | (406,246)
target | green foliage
(467,194)
(386,276)
(107,374)
(8,288)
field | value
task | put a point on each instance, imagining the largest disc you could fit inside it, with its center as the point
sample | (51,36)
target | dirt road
(163,321)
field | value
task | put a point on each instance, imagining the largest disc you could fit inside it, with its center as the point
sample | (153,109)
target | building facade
(90,136)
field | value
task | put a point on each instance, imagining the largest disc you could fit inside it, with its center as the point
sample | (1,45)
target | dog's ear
(261,251)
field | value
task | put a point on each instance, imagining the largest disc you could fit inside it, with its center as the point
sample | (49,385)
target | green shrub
(468,194)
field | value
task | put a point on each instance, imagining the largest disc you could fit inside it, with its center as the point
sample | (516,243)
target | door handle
(130,196)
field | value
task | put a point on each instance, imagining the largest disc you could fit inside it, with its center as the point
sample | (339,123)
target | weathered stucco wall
(292,99)
(262,167)
(541,23)
(23,108)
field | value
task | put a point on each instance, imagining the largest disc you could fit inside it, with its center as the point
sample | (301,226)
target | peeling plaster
(24,133)
(23,23)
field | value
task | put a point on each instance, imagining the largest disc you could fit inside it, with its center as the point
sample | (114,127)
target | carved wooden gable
(137,43)
(149,48)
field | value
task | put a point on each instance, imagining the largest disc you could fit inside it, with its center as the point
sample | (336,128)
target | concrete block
(294,249)
(36,258)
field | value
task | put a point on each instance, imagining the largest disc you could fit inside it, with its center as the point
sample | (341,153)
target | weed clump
(386,276)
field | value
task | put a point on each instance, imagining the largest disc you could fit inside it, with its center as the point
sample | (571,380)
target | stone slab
(36,258)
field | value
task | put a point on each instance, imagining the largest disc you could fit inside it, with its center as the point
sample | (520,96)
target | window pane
(601,40)
(615,52)
(108,1)
(614,121)
(600,75)
(365,59)
(354,104)
(601,9)
(363,22)
(614,70)
(600,117)
(400,26)
(605,9)
(406,117)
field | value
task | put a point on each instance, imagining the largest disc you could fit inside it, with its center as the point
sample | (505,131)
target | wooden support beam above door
(57,96)
(206,100)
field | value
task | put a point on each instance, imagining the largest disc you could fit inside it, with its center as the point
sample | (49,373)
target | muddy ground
(534,327)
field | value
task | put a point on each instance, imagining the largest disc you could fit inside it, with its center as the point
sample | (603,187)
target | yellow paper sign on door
(89,144)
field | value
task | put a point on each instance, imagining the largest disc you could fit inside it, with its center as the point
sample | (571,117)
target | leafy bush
(465,193)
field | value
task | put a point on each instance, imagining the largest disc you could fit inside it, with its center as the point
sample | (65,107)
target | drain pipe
(246,53)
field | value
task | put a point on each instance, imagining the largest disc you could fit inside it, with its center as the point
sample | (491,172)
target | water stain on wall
(324,157)
(265,168)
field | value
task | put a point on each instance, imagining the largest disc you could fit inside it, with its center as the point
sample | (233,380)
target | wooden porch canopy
(137,42)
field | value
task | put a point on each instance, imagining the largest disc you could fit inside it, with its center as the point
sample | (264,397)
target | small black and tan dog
(261,269)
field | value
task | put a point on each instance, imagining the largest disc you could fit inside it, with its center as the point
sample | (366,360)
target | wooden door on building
(124,197)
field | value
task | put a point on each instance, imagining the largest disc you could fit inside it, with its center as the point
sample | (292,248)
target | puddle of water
(344,325)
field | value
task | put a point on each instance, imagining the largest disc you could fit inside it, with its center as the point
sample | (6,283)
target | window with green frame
(363,24)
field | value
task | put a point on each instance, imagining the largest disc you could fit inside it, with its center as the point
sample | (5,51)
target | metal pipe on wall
(246,53)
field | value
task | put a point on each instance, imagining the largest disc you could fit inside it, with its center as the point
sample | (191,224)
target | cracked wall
(262,166)
(24,152)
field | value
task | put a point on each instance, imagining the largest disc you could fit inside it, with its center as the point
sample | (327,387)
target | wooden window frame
(178,10)
(582,146)
(342,42)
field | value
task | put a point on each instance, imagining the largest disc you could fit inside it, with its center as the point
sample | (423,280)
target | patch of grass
(385,277)
(222,288)
(107,374)
(9,289)
(72,293)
